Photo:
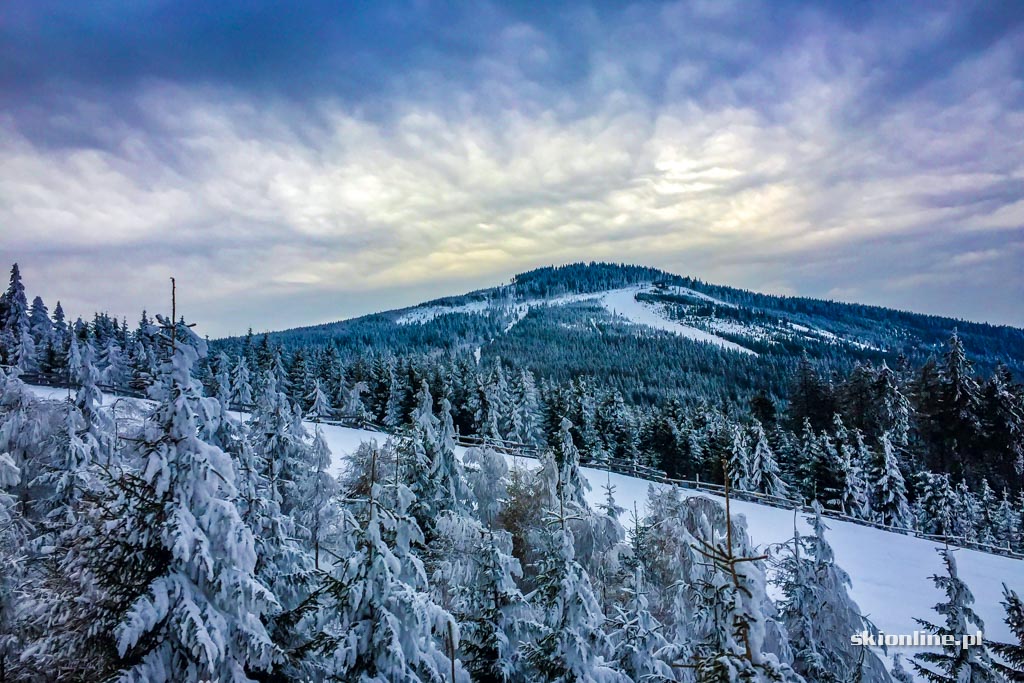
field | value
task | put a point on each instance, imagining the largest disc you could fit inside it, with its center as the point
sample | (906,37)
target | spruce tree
(955,663)
(379,624)
(189,601)
(1011,654)
(889,492)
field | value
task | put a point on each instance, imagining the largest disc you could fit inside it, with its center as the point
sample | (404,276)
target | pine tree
(937,505)
(1007,529)
(186,578)
(320,490)
(764,475)
(889,492)
(12,557)
(497,616)
(379,623)
(739,460)
(570,645)
(14,327)
(819,614)
(729,596)
(955,663)
(39,323)
(639,647)
(435,474)
(571,487)
(1011,653)
(241,383)
(319,404)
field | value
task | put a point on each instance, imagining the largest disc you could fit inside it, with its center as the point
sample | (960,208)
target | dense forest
(200,535)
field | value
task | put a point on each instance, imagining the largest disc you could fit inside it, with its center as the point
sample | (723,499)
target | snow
(890,572)
(424,314)
(617,301)
(624,303)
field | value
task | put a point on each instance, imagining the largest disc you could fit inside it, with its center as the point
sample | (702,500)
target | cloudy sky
(301,162)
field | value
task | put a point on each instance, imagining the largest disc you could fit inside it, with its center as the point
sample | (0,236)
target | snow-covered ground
(623,302)
(889,571)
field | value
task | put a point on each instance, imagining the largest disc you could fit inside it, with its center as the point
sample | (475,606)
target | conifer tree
(241,383)
(379,624)
(819,615)
(190,601)
(1011,654)
(889,493)
(764,474)
(569,645)
(639,647)
(319,404)
(497,615)
(956,662)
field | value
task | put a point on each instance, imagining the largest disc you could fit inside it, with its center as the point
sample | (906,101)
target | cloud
(716,143)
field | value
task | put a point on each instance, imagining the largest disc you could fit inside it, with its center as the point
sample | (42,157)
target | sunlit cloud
(789,165)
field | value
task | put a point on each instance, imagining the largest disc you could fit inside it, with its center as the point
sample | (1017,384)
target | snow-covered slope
(623,302)
(889,571)
(620,302)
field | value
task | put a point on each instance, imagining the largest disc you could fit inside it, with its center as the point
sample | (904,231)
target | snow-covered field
(889,571)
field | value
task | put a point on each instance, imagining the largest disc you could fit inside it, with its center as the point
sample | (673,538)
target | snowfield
(623,302)
(890,572)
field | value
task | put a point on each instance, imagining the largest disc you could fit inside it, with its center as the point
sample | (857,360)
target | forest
(199,533)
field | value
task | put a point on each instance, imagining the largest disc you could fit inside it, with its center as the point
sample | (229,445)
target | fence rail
(614,465)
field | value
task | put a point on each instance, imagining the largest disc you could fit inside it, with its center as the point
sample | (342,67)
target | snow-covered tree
(378,623)
(487,477)
(936,504)
(957,662)
(115,365)
(1011,654)
(889,491)
(189,603)
(12,557)
(319,404)
(435,473)
(571,487)
(569,645)
(525,421)
(497,616)
(319,517)
(739,460)
(241,383)
(764,475)
(640,649)
(819,614)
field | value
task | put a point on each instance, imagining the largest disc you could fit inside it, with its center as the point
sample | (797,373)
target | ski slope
(620,302)
(624,303)
(889,571)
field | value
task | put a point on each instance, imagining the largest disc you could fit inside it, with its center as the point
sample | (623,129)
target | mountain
(651,334)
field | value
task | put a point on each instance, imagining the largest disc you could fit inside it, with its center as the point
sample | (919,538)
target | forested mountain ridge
(582,320)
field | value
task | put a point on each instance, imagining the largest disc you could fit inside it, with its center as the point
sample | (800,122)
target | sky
(303,162)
